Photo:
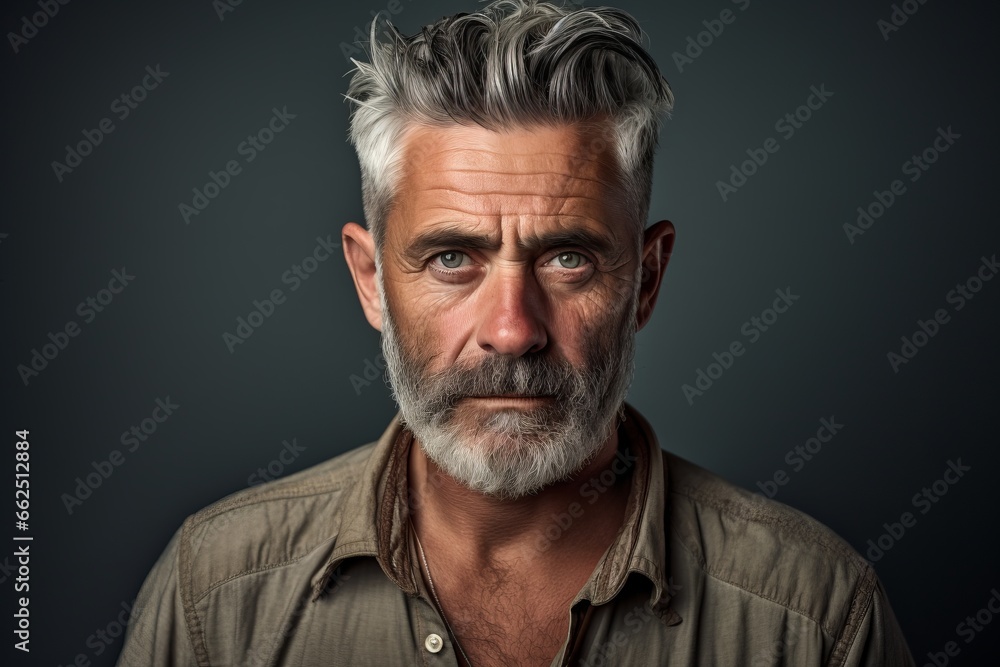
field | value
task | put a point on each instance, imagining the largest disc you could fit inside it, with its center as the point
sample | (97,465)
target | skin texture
(507,243)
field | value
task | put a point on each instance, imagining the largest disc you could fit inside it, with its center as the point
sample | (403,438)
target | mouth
(511,398)
(509,395)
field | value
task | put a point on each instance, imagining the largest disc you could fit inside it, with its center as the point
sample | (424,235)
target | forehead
(557,173)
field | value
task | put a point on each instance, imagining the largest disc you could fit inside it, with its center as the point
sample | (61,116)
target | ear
(658,243)
(359,251)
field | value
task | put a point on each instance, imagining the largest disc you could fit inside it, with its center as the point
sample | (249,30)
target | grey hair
(514,63)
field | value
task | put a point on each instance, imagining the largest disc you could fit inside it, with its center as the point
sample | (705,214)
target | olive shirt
(320,569)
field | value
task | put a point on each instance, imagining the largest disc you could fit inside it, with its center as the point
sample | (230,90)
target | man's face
(509,291)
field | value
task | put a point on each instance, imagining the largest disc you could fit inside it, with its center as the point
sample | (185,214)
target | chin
(505,459)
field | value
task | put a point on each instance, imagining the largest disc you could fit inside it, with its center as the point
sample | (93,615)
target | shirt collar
(641,546)
(374,519)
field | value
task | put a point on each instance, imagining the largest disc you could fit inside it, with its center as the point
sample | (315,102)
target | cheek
(569,330)
(580,324)
(435,330)
(593,334)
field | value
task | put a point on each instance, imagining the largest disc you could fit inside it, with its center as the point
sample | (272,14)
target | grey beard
(513,453)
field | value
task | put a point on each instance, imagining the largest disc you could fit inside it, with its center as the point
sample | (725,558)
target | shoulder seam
(859,606)
(284,489)
(863,572)
(197,521)
(238,575)
(227,505)
(814,536)
(718,577)
(193,623)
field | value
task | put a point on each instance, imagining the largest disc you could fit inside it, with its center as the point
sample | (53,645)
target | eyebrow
(583,238)
(438,239)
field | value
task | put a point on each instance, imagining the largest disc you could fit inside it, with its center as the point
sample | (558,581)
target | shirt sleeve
(878,640)
(157,632)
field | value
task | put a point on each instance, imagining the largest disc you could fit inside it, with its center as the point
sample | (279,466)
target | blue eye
(571,260)
(452,259)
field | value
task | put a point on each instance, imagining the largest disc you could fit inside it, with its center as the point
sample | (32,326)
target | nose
(512,314)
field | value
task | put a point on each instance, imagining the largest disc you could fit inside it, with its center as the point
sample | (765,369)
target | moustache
(530,376)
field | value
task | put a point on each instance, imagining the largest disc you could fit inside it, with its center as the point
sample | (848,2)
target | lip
(525,397)
(518,399)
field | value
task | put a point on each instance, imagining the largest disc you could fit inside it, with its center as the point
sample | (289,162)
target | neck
(562,520)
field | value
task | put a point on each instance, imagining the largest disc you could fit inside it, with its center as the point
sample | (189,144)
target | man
(517,511)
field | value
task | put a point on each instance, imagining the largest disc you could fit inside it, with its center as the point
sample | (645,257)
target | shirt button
(433,643)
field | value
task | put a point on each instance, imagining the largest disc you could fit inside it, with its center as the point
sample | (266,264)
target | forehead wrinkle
(443,149)
(478,215)
(545,182)
(494,217)
(428,145)
(476,155)
(543,195)
(464,149)
(526,206)
(493,226)
(529,174)
(563,215)
(471,175)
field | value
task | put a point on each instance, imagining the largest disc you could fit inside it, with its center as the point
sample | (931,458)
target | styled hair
(513,64)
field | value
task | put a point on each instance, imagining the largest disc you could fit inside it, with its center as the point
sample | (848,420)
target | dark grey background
(826,357)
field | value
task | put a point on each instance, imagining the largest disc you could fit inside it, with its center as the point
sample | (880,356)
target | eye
(570,260)
(452,259)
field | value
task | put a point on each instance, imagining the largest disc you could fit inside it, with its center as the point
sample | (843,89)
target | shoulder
(263,545)
(766,548)
(271,524)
